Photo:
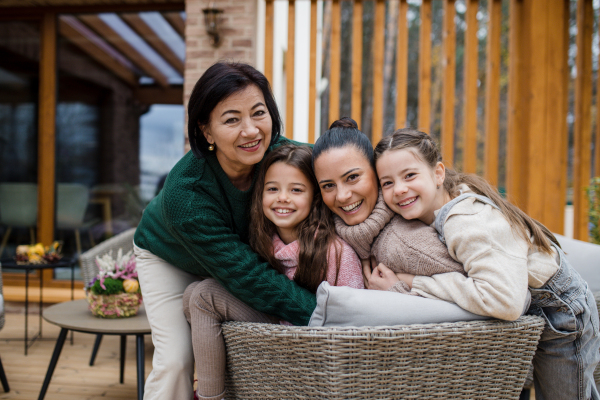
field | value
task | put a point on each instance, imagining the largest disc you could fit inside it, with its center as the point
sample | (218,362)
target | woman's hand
(381,278)
(366,266)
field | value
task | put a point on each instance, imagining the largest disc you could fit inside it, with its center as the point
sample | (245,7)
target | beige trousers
(162,285)
(206,304)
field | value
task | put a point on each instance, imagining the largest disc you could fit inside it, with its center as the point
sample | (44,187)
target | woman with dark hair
(198,225)
(345,169)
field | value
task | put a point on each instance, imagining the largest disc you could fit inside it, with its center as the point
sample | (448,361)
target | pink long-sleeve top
(350,273)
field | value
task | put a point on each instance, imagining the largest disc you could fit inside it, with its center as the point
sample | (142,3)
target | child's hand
(366,266)
(406,278)
(381,278)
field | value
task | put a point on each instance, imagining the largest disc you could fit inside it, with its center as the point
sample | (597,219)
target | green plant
(113,286)
(593,192)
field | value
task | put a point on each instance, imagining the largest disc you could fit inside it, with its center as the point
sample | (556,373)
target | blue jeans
(569,349)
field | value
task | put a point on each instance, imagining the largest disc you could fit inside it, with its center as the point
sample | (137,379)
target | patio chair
(89,270)
(2,374)
(462,360)
(71,203)
(18,209)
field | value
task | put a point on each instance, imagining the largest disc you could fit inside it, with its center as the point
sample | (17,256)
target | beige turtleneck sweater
(403,246)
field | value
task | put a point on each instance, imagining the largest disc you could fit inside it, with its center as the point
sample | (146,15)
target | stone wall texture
(238,39)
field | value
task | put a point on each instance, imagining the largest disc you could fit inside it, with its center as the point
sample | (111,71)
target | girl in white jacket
(513,263)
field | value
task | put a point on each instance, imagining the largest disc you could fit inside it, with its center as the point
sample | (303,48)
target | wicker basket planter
(120,305)
(465,360)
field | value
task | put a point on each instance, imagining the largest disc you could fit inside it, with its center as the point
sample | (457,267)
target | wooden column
(470,81)
(449,83)
(492,95)
(425,67)
(357,50)
(47,130)
(289,70)
(378,59)
(312,81)
(269,26)
(335,49)
(402,66)
(536,167)
(583,118)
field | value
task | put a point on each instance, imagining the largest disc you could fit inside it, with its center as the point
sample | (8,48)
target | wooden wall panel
(357,49)
(269,26)
(583,117)
(449,82)
(312,91)
(470,93)
(492,95)
(289,70)
(402,65)
(334,71)
(425,67)
(378,59)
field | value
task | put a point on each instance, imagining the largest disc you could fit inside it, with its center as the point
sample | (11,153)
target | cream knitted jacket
(500,265)
(403,246)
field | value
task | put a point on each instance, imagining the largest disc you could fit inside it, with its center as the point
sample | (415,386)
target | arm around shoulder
(495,260)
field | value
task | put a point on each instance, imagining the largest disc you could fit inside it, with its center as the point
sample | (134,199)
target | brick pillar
(238,40)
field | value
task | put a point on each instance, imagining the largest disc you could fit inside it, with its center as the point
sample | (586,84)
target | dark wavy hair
(217,83)
(316,233)
(344,132)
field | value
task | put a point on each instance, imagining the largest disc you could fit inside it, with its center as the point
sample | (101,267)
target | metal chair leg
(5,239)
(525,394)
(95,349)
(57,349)
(123,346)
(3,378)
(140,356)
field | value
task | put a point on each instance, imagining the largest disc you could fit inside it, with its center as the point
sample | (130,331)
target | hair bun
(345,122)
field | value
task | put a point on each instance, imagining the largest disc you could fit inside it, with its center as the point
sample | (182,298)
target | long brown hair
(316,233)
(424,147)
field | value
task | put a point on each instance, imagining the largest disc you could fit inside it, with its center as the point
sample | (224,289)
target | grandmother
(197,226)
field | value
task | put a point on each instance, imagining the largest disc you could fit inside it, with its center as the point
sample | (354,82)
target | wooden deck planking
(73,378)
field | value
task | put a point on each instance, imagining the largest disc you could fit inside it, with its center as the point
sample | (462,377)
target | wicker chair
(2,374)
(464,360)
(89,270)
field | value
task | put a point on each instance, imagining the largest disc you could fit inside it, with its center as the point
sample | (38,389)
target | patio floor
(73,378)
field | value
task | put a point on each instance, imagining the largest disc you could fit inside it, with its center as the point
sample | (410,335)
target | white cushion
(585,258)
(344,306)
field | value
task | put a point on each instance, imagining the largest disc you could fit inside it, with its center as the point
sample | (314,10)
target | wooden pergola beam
(141,28)
(108,34)
(69,29)
(158,95)
(176,21)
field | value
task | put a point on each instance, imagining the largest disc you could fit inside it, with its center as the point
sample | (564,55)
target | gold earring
(211,147)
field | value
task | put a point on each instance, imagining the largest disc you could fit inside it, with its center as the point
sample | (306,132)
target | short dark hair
(217,83)
(344,132)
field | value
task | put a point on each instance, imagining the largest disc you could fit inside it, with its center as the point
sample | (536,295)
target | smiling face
(348,183)
(240,128)
(410,186)
(287,198)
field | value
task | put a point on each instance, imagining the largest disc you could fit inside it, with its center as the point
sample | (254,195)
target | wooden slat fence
(523,143)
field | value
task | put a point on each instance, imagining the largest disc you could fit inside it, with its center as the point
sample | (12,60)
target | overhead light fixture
(212,23)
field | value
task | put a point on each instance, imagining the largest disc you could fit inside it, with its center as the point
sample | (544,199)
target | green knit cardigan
(199,222)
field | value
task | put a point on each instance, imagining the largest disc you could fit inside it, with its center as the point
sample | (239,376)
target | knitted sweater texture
(199,222)
(350,273)
(410,247)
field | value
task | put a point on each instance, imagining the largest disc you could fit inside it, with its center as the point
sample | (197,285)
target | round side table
(75,316)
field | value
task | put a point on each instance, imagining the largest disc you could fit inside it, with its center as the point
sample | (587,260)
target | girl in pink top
(293,230)
(291,227)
